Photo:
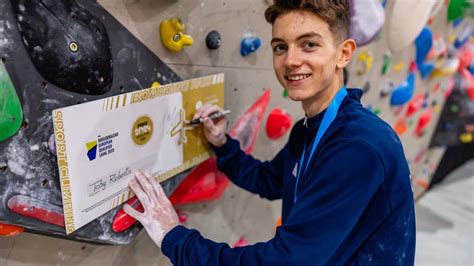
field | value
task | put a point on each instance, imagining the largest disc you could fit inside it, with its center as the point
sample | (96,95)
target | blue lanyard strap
(328,118)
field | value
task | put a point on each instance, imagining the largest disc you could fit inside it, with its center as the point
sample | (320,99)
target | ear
(346,50)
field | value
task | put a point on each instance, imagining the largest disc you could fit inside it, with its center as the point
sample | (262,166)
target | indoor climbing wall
(405,82)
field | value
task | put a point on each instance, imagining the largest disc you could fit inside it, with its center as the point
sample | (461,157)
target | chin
(295,96)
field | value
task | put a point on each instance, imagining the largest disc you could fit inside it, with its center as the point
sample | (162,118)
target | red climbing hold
(37,209)
(423,122)
(122,220)
(278,123)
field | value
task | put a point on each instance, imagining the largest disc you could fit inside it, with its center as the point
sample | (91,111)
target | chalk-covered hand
(213,130)
(159,216)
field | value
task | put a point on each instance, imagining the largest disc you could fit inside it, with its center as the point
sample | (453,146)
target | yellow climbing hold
(398,67)
(155,84)
(172,36)
(365,61)
(466,137)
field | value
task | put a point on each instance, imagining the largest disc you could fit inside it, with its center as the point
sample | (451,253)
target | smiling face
(306,59)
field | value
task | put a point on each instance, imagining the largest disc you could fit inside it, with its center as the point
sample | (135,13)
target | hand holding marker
(213,116)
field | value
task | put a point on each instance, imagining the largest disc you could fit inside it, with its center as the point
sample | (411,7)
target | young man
(343,177)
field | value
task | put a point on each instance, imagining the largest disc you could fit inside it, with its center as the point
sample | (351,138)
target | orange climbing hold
(400,127)
(10,230)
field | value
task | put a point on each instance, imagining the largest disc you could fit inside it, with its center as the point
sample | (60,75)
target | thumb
(134,213)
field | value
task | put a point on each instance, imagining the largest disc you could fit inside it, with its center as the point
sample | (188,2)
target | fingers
(206,110)
(163,200)
(138,190)
(160,193)
(146,184)
(134,213)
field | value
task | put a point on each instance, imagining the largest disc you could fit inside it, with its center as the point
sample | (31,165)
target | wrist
(219,143)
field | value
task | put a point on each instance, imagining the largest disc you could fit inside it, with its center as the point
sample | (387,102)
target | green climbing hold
(11,115)
(377,111)
(460,8)
(285,93)
(454,108)
(387,63)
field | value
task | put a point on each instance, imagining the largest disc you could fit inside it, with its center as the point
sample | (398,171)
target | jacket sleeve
(320,228)
(263,178)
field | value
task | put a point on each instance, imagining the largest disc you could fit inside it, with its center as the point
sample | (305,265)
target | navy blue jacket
(354,207)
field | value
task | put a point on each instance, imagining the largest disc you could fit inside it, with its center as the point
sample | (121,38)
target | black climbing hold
(67,44)
(213,40)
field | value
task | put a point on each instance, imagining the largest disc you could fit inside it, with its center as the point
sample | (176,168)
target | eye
(310,45)
(279,49)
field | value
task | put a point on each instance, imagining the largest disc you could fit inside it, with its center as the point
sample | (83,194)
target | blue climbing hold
(403,93)
(249,45)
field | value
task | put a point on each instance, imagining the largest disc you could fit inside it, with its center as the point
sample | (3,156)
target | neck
(320,101)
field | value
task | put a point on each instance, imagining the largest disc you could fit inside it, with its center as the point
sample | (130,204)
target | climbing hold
(36,209)
(249,45)
(403,93)
(285,93)
(181,216)
(172,36)
(122,220)
(11,114)
(386,89)
(377,111)
(454,108)
(406,22)
(387,62)
(68,45)
(415,104)
(155,84)
(436,87)
(438,49)
(367,19)
(398,67)
(400,126)
(446,68)
(52,144)
(459,8)
(242,242)
(423,122)
(278,123)
(423,43)
(213,40)
(366,87)
(364,62)
(10,230)
(466,137)
(463,37)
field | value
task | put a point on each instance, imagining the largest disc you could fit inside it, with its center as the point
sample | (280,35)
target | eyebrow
(305,35)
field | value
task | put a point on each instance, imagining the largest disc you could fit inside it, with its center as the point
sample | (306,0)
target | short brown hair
(336,13)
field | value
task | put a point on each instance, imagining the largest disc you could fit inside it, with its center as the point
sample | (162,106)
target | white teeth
(297,77)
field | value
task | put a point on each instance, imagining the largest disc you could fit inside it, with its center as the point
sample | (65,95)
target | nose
(293,58)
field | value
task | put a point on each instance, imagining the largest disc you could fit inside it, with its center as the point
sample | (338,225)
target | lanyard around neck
(328,118)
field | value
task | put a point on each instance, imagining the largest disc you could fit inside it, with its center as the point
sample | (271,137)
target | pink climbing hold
(278,123)
(242,242)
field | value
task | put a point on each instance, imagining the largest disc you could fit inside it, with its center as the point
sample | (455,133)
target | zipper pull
(305,121)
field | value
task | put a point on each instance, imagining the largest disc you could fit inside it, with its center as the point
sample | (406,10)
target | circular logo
(142,130)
